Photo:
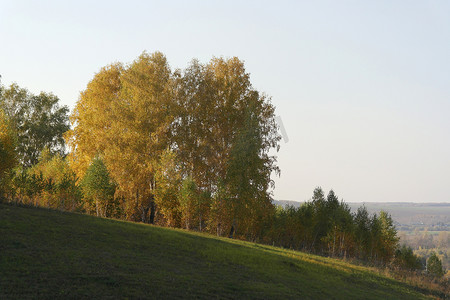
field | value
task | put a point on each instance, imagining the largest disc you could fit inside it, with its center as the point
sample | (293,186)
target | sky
(362,87)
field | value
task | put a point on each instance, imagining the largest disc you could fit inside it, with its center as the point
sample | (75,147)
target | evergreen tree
(362,232)
(99,189)
(406,259)
(434,266)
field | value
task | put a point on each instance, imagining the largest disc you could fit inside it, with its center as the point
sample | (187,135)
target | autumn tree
(167,192)
(93,117)
(388,237)
(222,128)
(249,167)
(219,221)
(195,118)
(123,116)
(188,199)
(218,127)
(141,130)
(51,183)
(7,151)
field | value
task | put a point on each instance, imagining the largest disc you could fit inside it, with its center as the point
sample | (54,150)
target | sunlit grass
(50,254)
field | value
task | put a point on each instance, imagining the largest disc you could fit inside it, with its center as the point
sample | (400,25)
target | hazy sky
(362,87)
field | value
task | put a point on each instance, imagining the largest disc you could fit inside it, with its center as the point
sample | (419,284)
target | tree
(51,183)
(249,167)
(7,146)
(203,208)
(434,266)
(189,198)
(389,238)
(38,120)
(219,221)
(26,188)
(192,132)
(306,221)
(167,190)
(222,128)
(92,119)
(320,218)
(99,189)
(375,238)
(339,227)
(406,259)
(216,124)
(123,116)
(362,232)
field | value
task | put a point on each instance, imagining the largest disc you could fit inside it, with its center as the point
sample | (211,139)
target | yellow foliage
(121,117)
(92,118)
(130,114)
(7,145)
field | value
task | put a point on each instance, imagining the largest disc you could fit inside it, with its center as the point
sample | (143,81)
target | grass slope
(50,254)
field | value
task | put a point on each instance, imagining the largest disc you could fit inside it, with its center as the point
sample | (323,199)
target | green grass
(50,254)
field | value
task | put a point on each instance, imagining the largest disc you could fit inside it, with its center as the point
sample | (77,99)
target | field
(52,254)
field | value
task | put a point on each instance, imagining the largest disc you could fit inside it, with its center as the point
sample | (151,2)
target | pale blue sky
(363,87)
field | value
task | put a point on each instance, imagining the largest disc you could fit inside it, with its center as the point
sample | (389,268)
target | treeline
(425,240)
(33,169)
(326,226)
(424,244)
(184,148)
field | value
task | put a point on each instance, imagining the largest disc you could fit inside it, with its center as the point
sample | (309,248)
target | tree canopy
(216,125)
(7,149)
(434,266)
(38,121)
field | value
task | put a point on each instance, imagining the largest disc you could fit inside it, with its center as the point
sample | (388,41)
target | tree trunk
(334,241)
(233,229)
(152,210)
(218,229)
(231,232)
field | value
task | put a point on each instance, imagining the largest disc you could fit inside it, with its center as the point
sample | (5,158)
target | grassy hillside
(50,254)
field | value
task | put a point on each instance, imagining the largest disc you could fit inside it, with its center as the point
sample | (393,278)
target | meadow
(52,254)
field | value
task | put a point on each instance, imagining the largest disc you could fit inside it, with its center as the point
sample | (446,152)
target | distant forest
(424,227)
(179,148)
